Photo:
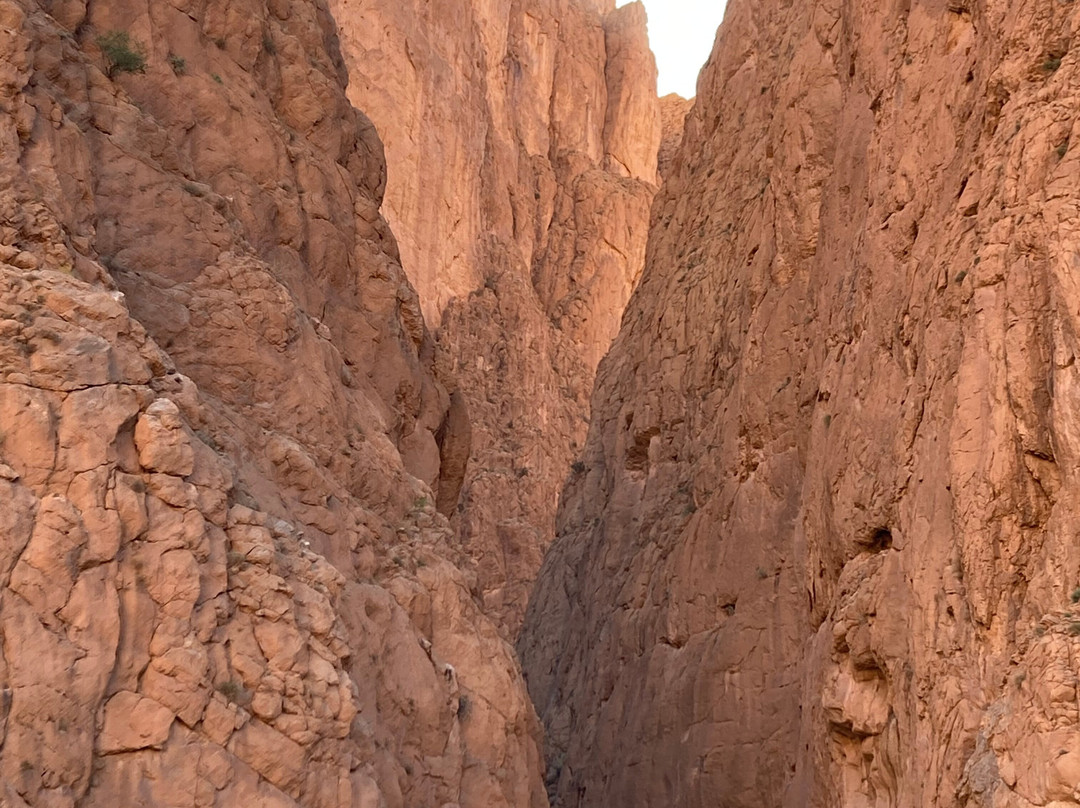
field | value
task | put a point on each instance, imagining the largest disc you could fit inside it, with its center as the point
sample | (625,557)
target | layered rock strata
(223,579)
(522,142)
(821,550)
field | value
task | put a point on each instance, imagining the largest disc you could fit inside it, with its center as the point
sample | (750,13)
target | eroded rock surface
(673,111)
(522,142)
(822,547)
(223,580)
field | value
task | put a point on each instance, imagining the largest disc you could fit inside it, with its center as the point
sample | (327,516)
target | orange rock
(521,211)
(134,722)
(821,549)
(219,411)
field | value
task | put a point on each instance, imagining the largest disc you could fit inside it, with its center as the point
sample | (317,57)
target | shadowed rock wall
(822,548)
(522,141)
(223,580)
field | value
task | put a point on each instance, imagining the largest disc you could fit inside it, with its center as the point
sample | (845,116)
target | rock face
(822,547)
(522,143)
(673,111)
(223,580)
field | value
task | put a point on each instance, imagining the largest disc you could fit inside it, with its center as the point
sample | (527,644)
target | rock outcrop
(673,111)
(822,547)
(223,580)
(522,142)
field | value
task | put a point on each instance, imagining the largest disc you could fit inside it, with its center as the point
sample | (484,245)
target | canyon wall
(223,579)
(521,139)
(673,111)
(822,550)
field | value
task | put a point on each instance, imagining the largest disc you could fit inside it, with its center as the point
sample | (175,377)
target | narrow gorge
(402,405)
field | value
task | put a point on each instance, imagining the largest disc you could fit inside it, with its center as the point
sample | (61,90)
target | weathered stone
(134,722)
(163,445)
(821,548)
(521,212)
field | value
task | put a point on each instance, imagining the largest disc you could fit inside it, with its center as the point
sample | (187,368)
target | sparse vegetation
(420,503)
(762,574)
(1074,628)
(1062,148)
(960,276)
(1075,596)
(122,53)
(1052,63)
(268,44)
(178,64)
(578,467)
(216,78)
(232,690)
(464,707)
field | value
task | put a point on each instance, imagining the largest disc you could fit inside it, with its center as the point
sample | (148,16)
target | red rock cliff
(822,547)
(522,142)
(223,580)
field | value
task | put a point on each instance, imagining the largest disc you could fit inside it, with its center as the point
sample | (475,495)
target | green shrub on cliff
(122,53)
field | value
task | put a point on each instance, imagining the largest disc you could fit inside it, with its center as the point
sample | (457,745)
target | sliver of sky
(681,33)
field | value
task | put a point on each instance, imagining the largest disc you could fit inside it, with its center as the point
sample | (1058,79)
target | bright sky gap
(681,33)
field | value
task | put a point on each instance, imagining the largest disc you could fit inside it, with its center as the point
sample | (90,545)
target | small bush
(578,467)
(464,707)
(268,44)
(232,690)
(1075,597)
(216,78)
(1062,148)
(960,276)
(1051,64)
(122,53)
(178,64)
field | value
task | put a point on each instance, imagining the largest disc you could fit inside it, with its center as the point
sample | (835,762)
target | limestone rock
(521,209)
(133,722)
(673,111)
(821,547)
(218,419)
